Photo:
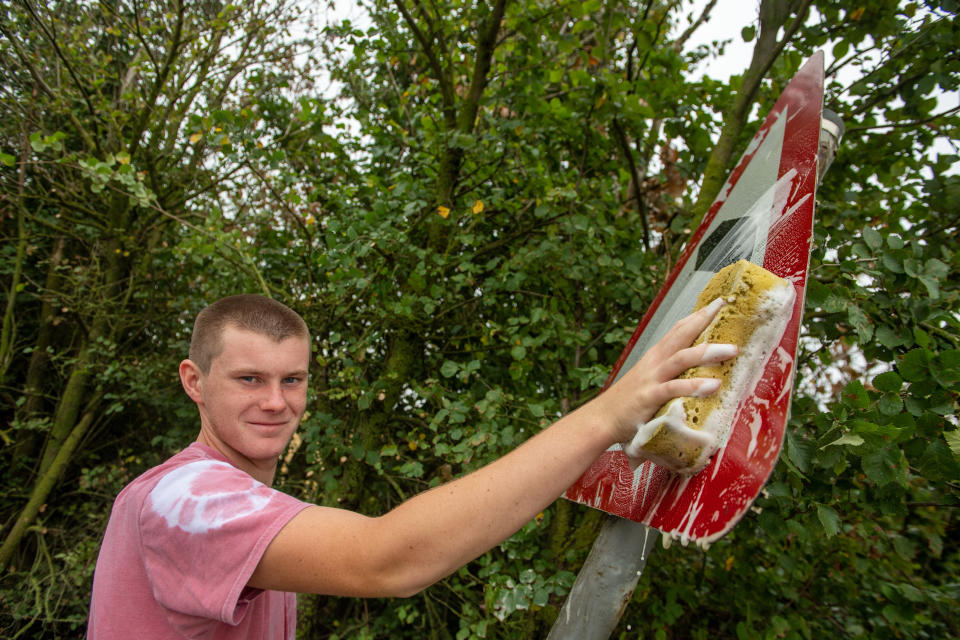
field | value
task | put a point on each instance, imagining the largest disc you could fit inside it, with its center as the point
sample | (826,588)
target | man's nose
(272,398)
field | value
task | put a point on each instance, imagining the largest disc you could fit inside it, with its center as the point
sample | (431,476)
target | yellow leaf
(224,141)
(478,206)
(195,137)
(856,14)
(443,211)
(310,220)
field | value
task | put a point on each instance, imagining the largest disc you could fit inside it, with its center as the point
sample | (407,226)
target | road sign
(764,214)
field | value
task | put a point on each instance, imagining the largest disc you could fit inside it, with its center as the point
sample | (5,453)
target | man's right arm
(338,552)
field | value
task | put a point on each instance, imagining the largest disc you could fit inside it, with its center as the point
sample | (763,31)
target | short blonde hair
(251,312)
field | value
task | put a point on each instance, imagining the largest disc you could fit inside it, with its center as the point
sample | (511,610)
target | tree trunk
(44,485)
(773,17)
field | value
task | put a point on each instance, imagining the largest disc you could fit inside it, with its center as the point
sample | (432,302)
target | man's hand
(652,382)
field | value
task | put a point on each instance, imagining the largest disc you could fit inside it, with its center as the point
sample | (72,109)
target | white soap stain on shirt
(205,495)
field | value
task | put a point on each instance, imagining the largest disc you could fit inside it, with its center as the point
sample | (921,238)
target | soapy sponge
(686,432)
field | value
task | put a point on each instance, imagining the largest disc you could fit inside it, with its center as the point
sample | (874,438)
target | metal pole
(606,582)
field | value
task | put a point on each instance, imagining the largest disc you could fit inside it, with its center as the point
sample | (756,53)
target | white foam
(717,352)
(775,307)
(706,387)
(674,419)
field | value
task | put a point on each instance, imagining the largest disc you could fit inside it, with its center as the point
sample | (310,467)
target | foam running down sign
(763,214)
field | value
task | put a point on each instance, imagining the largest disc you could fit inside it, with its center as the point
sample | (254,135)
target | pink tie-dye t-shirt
(182,541)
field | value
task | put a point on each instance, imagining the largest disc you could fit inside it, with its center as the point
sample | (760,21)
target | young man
(201,547)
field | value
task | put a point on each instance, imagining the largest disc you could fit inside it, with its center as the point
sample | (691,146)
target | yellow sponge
(686,432)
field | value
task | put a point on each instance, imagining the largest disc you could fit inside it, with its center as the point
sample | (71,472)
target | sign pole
(606,582)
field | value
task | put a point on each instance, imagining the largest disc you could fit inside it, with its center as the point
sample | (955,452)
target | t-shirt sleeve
(204,528)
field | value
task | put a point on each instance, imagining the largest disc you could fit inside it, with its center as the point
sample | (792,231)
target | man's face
(253,397)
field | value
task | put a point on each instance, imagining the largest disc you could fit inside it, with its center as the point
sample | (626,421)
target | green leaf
(7,159)
(851,439)
(932,285)
(365,401)
(36,142)
(889,381)
(953,441)
(938,462)
(841,48)
(936,268)
(817,293)
(945,368)
(881,467)
(748,33)
(855,395)
(800,452)
(913,366)
(891,262)
(889,337)
(872,237)
(860,322)
(449,369)
(829,519)
(890,404)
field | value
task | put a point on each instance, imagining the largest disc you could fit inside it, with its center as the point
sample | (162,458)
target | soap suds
(705,388)
(720,351)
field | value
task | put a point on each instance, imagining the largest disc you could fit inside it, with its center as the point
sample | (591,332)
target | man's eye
(249,379)
(292,380)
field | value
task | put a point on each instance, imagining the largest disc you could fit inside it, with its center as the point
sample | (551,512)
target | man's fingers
(686,330)
(653,381)
(702,354)
(687,387)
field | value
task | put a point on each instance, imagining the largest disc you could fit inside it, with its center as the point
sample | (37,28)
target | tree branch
(637,180)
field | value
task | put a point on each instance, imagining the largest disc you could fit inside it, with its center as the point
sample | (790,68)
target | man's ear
(192,380)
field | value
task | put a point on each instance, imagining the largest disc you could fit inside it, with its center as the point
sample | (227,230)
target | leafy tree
(123,126)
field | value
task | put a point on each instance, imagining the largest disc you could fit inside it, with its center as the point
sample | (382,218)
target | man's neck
(260,470)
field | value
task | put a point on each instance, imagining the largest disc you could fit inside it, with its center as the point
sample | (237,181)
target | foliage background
(472,221)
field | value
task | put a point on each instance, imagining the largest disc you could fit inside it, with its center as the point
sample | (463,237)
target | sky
(727,20)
